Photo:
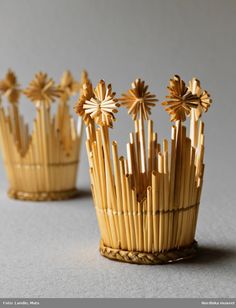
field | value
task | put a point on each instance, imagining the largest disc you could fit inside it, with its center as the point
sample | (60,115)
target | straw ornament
(86,93)
(180,100)
(102,105)
(68,86)
(138,100)
(10,87)
(42,89)
(204,101)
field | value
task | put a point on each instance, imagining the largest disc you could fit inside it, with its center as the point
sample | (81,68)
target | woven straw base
(43,196)
(136,257)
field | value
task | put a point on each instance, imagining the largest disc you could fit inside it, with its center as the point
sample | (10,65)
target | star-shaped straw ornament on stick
(86,93)
(10,87)
(204,101)
(180,100)
(102,105)
(138,100)
(42,89)
(68,86)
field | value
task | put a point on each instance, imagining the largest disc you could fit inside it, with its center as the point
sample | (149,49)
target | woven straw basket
(41,165)
(147,203)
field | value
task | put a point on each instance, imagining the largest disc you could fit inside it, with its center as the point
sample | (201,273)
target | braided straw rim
(157,258)
(43,196)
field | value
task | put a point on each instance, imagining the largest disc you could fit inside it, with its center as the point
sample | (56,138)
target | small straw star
(204,101)
(181,100)
(102,105)
(86,93)
(10,87)
(138,100)
(42,89)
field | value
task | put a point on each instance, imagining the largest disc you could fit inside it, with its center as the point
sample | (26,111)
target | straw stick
(172,185)
(182,183)
(149,219)
(135,216)
(138,155)
(142,145)
(130,212)
(108,168)
(142,152)
(150,149)
(124,203)
(145,225)
(166,192)
(117,177)
(177,180)
(184,227)
(16,124)
(178,164)
(140,227)
(101,166)
(154,210)
(161,201)
(154,154)
(129,159)
(193,129)
(172,167)
(135,175)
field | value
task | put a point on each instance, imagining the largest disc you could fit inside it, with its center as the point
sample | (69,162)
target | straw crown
(36,162)
(146,203)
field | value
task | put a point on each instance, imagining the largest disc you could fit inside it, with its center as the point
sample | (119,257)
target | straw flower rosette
(147,202)
(42,164)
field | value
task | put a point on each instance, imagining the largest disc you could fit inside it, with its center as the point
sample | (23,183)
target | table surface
(50,249)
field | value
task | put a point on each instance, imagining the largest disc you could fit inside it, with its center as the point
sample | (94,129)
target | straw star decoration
(68,86)
(204,97)
(10,87)
(102,105)
(138,100)
(86,93)
(180,100)
(42,89)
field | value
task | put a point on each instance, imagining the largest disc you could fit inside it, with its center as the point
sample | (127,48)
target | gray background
(50,249)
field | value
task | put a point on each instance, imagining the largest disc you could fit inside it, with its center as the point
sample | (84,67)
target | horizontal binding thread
(134,213)
(17,165)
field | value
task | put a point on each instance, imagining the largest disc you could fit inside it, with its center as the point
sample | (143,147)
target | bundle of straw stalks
(147,203)
(41,165)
